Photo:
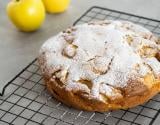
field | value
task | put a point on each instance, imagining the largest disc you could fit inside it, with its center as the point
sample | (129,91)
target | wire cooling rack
(25,100)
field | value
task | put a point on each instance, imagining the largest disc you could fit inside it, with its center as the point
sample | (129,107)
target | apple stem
(17,0)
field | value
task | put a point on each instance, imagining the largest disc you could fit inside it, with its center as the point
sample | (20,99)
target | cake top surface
(100,56)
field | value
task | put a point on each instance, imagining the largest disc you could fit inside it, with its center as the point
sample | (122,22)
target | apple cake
(103,65)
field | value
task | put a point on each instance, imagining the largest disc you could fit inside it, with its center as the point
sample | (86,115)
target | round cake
(101,66)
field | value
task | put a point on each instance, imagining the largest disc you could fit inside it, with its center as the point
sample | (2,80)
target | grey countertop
(17,48)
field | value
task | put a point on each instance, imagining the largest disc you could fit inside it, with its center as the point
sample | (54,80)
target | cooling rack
(25,101)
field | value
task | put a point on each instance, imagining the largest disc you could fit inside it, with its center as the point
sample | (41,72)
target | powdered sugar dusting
(154,64)
(102,54)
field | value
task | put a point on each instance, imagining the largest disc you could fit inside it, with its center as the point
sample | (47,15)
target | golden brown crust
(80,100)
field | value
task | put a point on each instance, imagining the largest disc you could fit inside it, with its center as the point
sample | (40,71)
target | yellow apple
(27,15)
(56,6)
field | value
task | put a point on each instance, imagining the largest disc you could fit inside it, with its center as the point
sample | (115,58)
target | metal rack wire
(25,100)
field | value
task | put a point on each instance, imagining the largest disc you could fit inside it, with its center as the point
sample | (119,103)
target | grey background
(17,49)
